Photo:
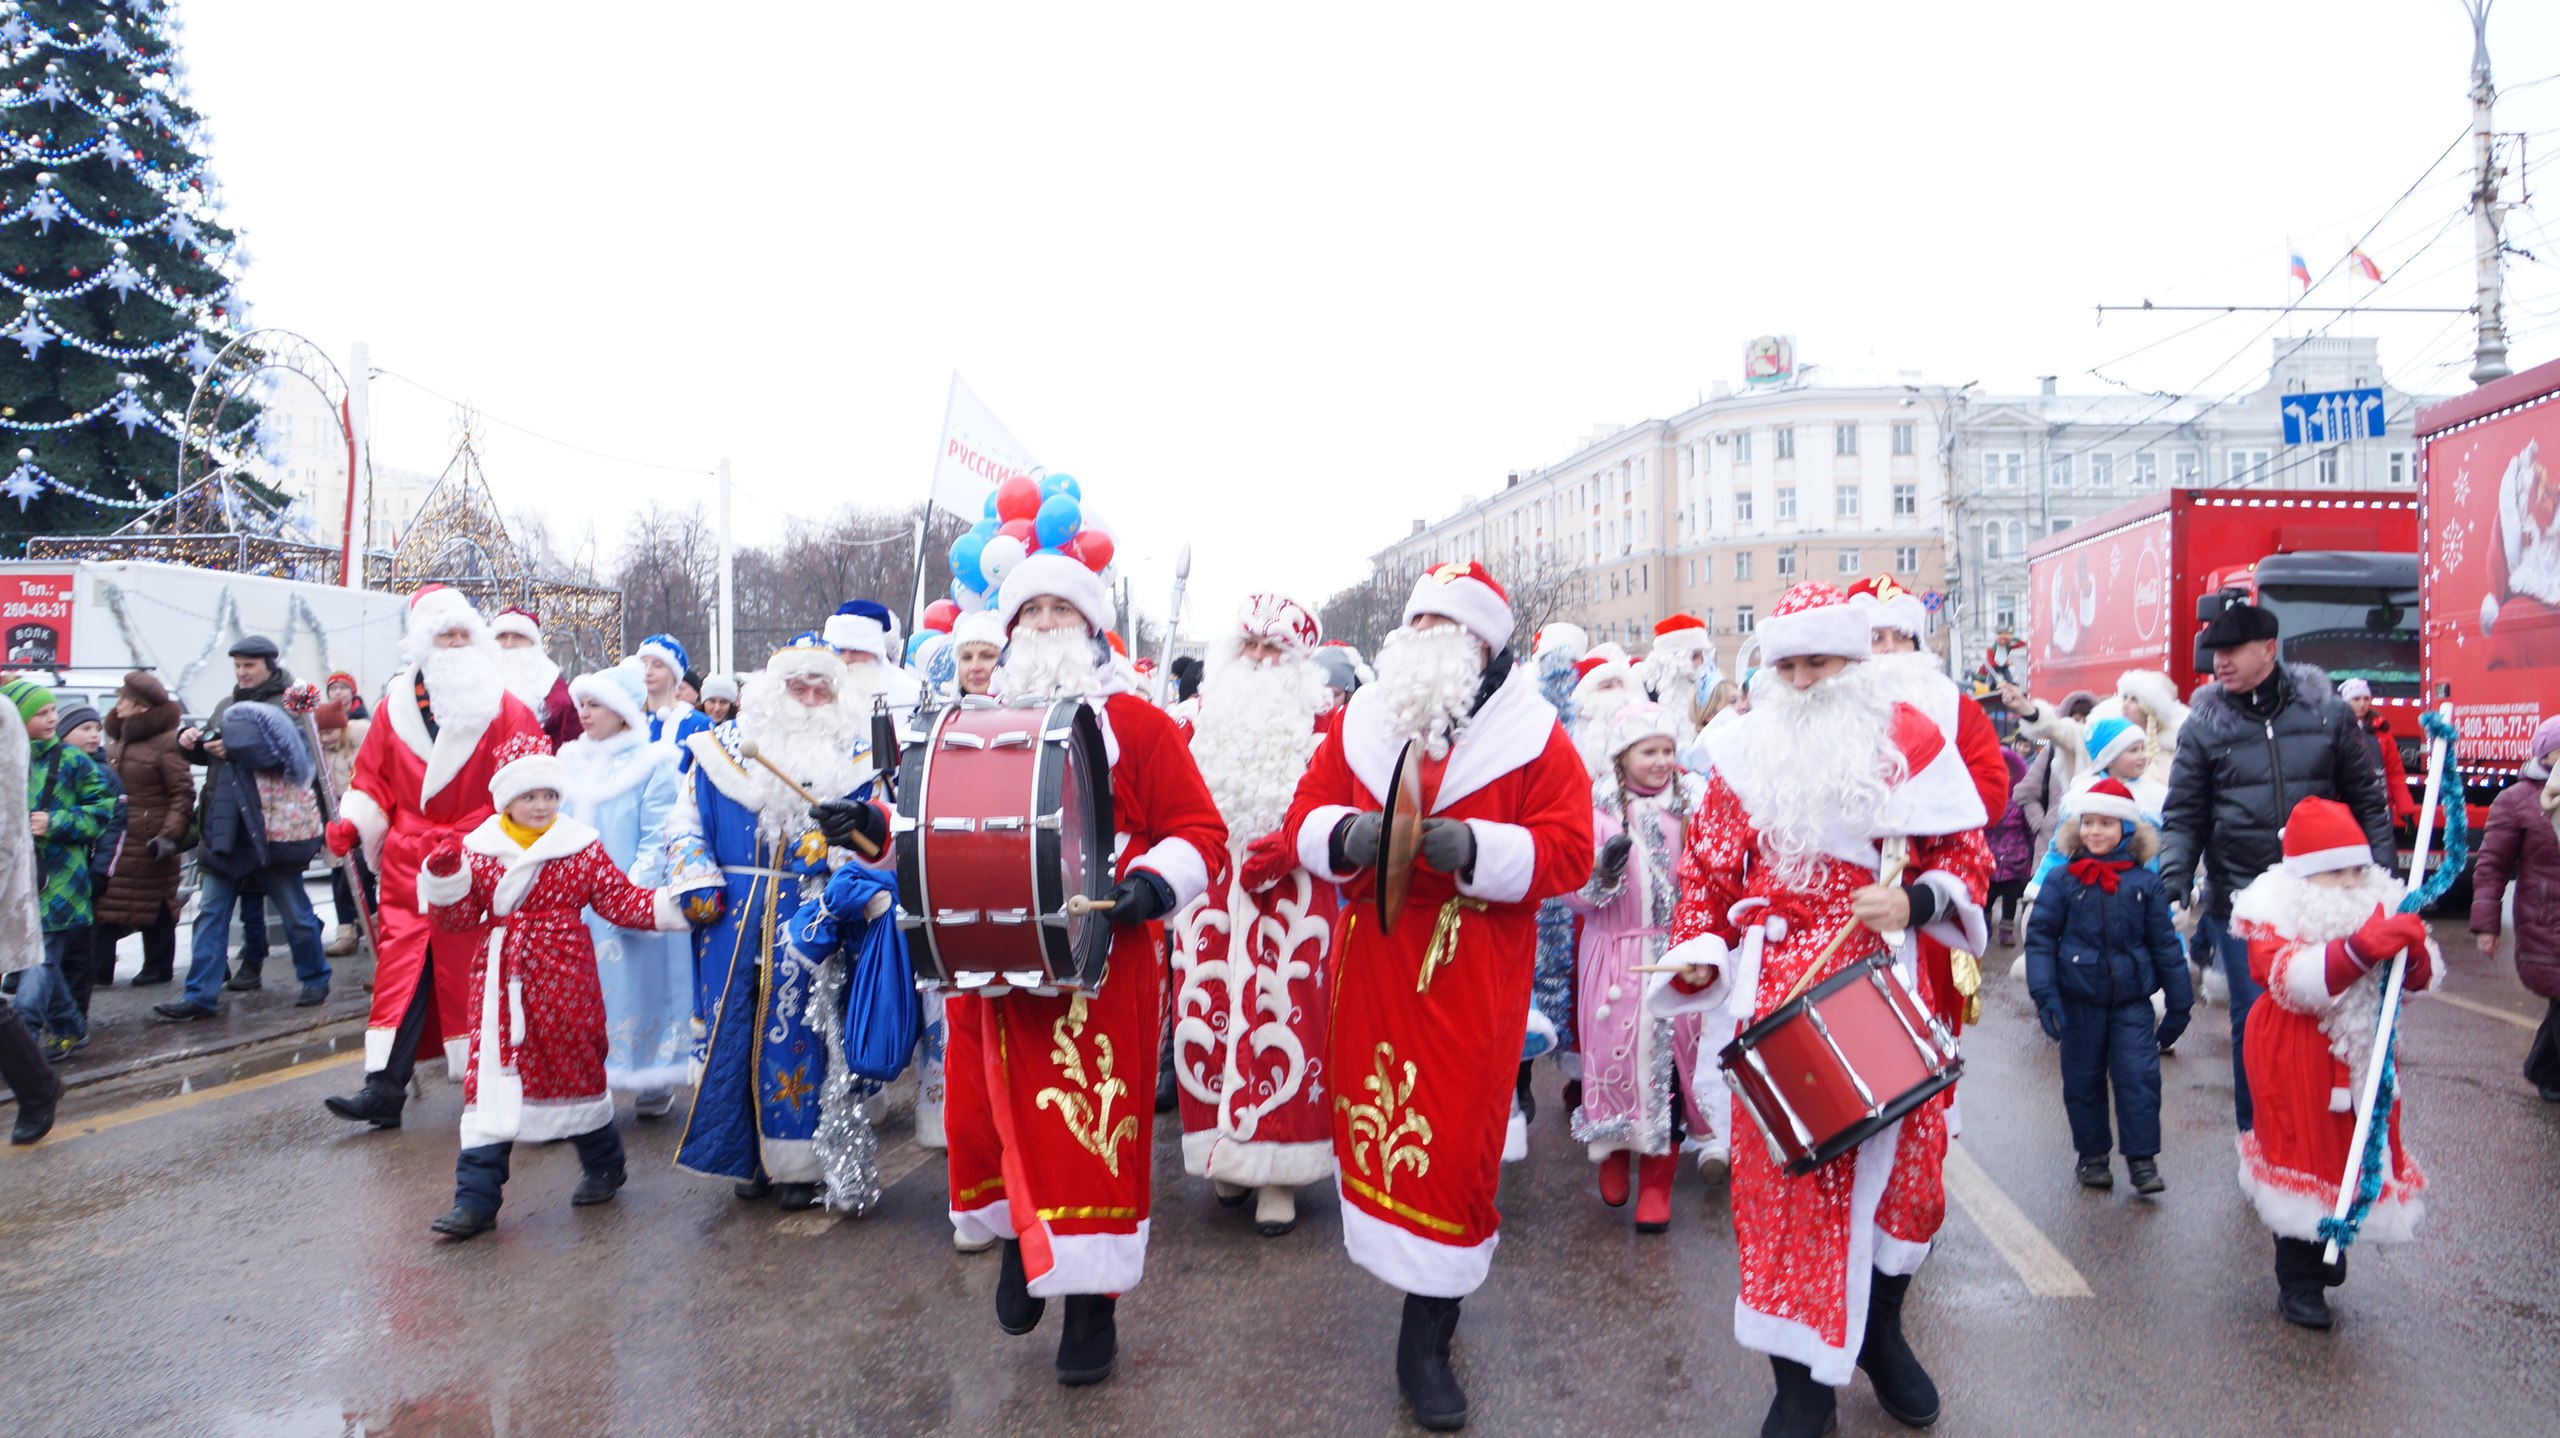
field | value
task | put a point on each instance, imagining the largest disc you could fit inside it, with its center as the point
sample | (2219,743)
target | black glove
(161,848)
(1355,841)
(2049,1014)
(1449,845)
(1613,860)
(1140,897)
(841,819)
(2172,1024)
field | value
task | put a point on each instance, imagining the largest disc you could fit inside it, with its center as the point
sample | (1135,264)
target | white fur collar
(453,744)
(1511,730)
(603,770)
(565,837)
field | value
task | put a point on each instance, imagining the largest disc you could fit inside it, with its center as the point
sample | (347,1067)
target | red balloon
(940,615)
(1018,498)
(1021,529)
(1095,548)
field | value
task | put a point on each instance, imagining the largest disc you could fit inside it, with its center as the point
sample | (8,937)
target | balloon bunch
(1024,516)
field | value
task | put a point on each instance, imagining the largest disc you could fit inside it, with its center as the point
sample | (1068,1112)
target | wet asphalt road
(235,1261)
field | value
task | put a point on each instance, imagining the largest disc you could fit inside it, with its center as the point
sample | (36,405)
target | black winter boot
(1528,1100)
(1422,1363)
(1903,1387)
(1803,1408)
(1017,1312)
(1091,1343)
(376,1103)
(2300,1275)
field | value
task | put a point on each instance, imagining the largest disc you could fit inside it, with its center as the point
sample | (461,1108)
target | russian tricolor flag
(2301,271)
(2365,263)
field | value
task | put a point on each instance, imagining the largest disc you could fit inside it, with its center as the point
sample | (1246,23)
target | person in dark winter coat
(84,963)
(262,824)
(256,679)
(2099,945)
(160,794)
(2013,855)
(68,806)
(2521,845)
(2261,739)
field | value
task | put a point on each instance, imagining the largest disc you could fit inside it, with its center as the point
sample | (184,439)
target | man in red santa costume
(1253,958)
(445,725)
(1428,1017)
(2322,928)
(1048,1099)
(1836,764)
(1679,670)
(1898,623)
(533,677)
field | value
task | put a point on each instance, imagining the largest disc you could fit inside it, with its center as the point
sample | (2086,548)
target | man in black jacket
(256,679)
(2260,739)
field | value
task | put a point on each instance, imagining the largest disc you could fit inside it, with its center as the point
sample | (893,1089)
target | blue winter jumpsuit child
(2099,945)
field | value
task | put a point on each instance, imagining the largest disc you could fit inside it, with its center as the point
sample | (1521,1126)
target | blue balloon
(991,504)
(1059,519)
(964,560)
(1061,484)
(985,529)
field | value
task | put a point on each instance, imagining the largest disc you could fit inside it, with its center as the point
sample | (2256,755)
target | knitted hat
(1341,667)
(664,649)
(516,619)
(1464,592)
(1889,605)
(2109,798)
(74,717)
(520,777)
(2547,738)
(2355,689)
(2322,835)
(1638,722)
(1561,637)
(978,626)
(1054,574)
(862,626)
(719,686)
(1814,618)
(619,688)
(30,697)
(2109,736)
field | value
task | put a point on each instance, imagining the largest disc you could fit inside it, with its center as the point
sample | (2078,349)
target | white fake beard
(463,684)
(1672,678)
(1815,759)
(814,746)
(1047,665)
(1427,682)
(1591,718)
(864,683)
(2315,913)
(1253,738)
(528,675)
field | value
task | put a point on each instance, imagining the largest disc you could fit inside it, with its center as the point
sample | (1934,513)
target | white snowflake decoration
(21,486)
(30,332)
(2462,486)
(130,413)
(2450,546)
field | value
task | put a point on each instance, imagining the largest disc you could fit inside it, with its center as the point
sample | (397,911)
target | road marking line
(2477,1007)
(2037,1262)
(177,1102)
(904,1160)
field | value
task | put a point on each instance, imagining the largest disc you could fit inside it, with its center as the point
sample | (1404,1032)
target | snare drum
(1005,812)
(1833,1067)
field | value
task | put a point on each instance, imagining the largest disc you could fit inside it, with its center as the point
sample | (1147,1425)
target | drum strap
(1443,948)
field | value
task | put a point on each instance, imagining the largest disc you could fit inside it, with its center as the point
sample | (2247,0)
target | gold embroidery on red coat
(1402,1135)
(1086,1110)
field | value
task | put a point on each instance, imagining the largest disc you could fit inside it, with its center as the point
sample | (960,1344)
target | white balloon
(997,560)
(969,600)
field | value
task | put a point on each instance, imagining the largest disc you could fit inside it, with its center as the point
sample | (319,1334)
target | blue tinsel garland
(2451,799)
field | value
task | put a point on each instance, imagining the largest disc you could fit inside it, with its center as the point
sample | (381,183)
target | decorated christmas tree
(118,271)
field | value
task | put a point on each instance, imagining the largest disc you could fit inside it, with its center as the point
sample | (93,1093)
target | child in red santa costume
(2322,928)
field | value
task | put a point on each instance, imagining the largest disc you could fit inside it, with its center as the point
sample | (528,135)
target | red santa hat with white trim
(2110,799)
(1465,592)
(438,609)
(516,619)
(2322,835)
(1890,606)
(1683,634)
(1814,618)
(1595,670)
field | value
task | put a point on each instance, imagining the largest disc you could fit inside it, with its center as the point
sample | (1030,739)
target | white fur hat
(978,626)
(1464,592)
(437,609)
(519,777)
(1815,618)
(1052,573)
(515,619)
(806,661)
(619,688)
(1560,637)
(858,632)
(1890,606)
(718,686)
(1638,722)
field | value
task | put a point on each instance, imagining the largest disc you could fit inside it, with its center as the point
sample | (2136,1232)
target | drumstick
(747,750)
(1892,872)
(1079,906)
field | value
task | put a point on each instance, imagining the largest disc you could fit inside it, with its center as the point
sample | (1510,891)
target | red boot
(1613,1180)
(1653,1191)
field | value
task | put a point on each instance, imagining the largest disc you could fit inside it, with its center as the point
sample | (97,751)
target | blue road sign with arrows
(2333,415)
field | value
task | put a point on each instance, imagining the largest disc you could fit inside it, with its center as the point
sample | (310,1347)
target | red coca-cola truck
(2131,589)
(2489,601)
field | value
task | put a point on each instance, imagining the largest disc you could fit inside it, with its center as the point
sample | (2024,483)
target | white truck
(80,625)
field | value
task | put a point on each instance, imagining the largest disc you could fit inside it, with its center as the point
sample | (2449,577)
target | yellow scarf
(523,836)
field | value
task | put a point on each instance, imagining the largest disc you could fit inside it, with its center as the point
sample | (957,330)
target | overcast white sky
(1279,283)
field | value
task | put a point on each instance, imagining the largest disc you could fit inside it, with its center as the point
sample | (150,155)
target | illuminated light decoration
(48,205)
(27,481)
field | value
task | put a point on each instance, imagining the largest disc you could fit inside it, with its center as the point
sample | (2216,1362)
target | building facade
(2027,466)
(1716,510)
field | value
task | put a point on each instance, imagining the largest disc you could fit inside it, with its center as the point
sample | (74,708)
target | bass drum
(1831,1068)
(1004,814)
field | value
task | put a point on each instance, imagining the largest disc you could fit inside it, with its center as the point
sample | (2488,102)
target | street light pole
(2490,358)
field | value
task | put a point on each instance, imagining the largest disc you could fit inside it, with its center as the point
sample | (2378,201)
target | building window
(1906,500)
(2400,466)
(1991,542)
(2102,471)
(1742,619)
(2057,471)
(1706,565)
(1742,568)
(1786,561)
(1848,561)
(1693,572)
(2004,470)
(2018,537)
(2004,611)
(1742,446)
(1906,436)
(2056,525)
(1844,440)
(2247,464)
(1644,572)
(1613,584)
(1786,501)
(1844,501)
(2328,467)
(2186,467)
(2146,470)
(1786,443)
(1742,506)
(1906,559)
